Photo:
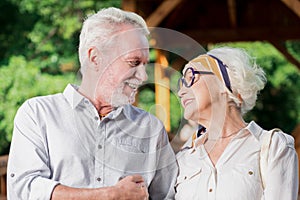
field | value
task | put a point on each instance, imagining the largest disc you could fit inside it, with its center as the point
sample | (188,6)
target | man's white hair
(98,29)
(246,77)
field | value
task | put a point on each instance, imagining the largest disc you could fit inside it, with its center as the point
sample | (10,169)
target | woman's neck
(224,126)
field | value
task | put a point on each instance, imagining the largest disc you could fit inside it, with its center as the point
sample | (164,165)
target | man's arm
(162,185)
(129,188)
(28,169)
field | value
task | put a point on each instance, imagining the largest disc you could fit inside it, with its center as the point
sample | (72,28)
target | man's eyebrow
(133,57)
(136,58)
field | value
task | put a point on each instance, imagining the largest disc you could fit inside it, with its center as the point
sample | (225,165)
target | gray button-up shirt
(60,139)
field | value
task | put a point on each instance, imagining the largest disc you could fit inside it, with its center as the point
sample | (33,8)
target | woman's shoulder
(280,144)
(278,137)
(282,139)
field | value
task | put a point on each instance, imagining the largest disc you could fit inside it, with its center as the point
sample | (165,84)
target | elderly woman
(224,159)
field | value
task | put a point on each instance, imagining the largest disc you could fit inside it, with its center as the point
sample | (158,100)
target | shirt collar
(190,143)
(254,129)
(72,95)
(74,98)
(115,113)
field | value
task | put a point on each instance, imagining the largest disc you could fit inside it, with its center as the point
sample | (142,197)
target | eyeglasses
(189,77)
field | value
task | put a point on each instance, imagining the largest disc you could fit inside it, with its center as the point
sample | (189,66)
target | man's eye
(134,63)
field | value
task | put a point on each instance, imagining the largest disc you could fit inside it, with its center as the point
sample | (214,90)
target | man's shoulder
(39,104)
(52,100)
(138,112)
(140,116)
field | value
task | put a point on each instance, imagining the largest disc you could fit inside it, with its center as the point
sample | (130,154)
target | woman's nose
(181,92)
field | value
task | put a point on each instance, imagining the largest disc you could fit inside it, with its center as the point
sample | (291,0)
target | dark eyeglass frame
(183,81)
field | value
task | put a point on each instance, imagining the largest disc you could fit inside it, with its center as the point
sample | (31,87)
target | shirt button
(250,172)
(99,146)
(98,179)
(210,190)
(12,175)
(96,118)
(86,101)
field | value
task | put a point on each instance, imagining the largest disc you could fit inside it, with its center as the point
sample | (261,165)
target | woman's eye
(134,63)
(189,78)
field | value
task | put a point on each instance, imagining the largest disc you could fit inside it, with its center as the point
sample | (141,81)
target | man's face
(124,69)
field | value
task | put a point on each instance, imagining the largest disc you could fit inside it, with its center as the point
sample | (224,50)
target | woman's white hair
(98,29)
(246,77)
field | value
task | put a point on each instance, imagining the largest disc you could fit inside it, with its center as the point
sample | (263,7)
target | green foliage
(175,105)
(146,100)
(14,28)
(55,27)
(21,80)
(294,48)
(175,113)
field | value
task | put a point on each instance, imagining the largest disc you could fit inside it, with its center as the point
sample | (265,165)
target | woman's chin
(187,115)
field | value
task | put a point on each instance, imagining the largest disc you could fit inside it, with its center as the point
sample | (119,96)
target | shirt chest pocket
(247,173)
(245,178)
(187,184)
(133,145)
(188,177)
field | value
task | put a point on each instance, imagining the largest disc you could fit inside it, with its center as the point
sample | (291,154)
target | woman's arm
(282,171)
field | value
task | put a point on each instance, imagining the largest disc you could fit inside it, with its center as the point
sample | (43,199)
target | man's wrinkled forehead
(131,41)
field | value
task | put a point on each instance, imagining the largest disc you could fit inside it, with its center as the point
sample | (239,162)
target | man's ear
(94,57)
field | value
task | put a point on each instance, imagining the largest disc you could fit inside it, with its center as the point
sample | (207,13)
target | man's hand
(131,188)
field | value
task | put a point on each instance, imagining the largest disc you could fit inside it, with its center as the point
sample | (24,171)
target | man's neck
(102,107)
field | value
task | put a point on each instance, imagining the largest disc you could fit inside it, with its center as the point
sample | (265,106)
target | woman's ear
(94,57)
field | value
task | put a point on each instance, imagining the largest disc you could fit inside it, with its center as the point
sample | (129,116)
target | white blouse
(236,175)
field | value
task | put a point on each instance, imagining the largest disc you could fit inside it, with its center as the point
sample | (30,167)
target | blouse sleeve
(282,171)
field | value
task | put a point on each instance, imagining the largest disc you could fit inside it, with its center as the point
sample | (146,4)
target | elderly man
(89,142)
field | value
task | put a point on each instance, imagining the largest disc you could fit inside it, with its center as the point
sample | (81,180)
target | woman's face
(197,100)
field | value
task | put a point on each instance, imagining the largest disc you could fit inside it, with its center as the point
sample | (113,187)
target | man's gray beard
(119,98)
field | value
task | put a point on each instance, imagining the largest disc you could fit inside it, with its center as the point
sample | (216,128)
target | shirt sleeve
(28,172)
(282,173)
(163,183)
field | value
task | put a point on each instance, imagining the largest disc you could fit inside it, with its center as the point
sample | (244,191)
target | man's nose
(141,73)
